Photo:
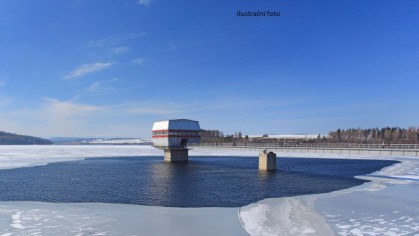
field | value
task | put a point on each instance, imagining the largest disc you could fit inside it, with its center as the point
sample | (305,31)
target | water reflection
(170,183)
(264,182)
(264,175)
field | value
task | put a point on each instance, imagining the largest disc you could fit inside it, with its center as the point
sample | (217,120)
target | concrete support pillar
(176,154)
(267,161)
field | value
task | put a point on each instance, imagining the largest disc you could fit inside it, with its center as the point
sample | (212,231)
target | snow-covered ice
(39,218)
(387,205)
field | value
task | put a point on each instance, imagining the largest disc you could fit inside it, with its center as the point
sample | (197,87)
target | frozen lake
(384,206)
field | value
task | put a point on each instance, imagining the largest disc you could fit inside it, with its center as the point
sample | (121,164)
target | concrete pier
(175,155)
(267,161)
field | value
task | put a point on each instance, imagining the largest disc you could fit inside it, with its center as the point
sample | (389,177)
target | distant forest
(387,135)
(16,139)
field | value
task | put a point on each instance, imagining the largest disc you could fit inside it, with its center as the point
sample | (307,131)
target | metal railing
(311,145)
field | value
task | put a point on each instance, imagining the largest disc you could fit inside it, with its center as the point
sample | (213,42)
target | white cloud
(102,86)
(71,118)
(66,109)
(97,86)
(115,40)
(58,109)
(53,117)
(138,61)
(120,50)
(87,69)
(58,117)
(144,2)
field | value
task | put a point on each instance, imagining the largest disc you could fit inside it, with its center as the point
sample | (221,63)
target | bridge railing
(312,145)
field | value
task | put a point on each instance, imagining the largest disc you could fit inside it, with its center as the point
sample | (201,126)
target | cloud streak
(102,86)
(144,2)
(120,50)
(66,117)
(87,69)
(115,40)
(138,61)
(66,109)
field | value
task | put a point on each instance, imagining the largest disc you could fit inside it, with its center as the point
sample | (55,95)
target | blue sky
(111,68)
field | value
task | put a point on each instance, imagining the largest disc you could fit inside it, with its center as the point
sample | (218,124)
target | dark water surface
(201,182)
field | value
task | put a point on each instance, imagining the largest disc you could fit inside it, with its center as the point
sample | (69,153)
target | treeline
(217,136)
(16,139)
(388,135)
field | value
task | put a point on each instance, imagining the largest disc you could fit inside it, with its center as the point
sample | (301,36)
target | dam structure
(174,136)
(400,150)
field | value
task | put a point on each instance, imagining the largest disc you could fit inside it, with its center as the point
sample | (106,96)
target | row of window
(189,133)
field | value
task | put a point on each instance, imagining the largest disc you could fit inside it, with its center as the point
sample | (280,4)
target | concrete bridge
(411,150)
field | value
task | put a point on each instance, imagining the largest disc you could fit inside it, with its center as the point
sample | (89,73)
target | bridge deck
(352,151)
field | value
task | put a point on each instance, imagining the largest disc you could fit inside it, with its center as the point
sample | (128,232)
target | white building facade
(175,133)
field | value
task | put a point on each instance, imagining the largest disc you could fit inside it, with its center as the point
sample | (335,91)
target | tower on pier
(173,136)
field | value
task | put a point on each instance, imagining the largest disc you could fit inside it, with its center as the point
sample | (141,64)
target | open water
(201,182)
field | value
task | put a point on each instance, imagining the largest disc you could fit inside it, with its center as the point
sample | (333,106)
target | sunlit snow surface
(386,206)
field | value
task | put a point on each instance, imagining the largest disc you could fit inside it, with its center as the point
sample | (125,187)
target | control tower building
(173,136)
